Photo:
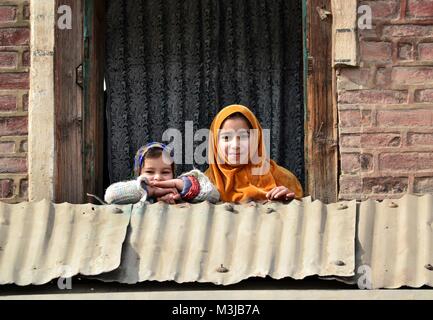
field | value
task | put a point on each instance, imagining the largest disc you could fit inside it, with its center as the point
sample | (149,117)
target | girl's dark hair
(152,152)
(237,115)
(155,153)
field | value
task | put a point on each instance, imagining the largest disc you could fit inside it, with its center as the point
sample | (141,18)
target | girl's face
(234,140)
(156,169)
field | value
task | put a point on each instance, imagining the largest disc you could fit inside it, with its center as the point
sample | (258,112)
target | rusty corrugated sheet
(225,244)
(40,241)
(395,242)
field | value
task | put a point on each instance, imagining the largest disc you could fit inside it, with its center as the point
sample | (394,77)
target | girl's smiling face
(234,140)
(155,169)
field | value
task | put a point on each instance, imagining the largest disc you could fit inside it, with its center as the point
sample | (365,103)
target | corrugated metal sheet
(40,241)
(225,244)
(395,242)
(389,244)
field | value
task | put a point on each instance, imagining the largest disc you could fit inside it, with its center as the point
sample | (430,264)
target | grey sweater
(133,191)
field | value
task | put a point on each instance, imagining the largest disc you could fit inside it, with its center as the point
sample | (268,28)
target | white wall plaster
(41,101)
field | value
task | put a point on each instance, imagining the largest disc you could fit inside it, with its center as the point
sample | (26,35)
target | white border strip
(409,294)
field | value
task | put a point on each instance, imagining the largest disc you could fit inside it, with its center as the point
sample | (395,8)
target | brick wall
(386,104)
(14,87)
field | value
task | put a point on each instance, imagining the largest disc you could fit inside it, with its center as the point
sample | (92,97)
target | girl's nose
(157,177)
(236,143)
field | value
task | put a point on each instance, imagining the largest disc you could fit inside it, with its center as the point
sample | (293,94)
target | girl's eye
(244,136)
(149,172)
(225,138)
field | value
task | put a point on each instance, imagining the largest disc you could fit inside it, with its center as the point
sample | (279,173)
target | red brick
(383,9)
(366,161)
(355,118)
(372,140)
(25,102)
(350,163)
(8,103)
(7,13)
(6,188)
(7,147)
(26,12)
(384,185)
(350,141)
(374,32)
(373,97)
(423,185)
(383,76)
(355,162)
(14,80)
(24,146)
(425,51)
(8,59)
(410,161)
(24,186)
(412,75)
(420,139)
(350,184)
(424,95)
(420,8)
(381,197)
(13,165)
(407,31)
(376,51)
(353,77)
(13,126)
(26,59)
(404,118)
(14,36)
(405,51)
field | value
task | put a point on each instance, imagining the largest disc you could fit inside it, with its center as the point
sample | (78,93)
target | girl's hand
(169,198)
(280,193)
(160,192)
(173,183)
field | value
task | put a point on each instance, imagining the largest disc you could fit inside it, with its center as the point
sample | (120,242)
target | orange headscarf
(239,184)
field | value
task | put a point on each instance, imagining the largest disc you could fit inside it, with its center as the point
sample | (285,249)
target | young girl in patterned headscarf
(154,171)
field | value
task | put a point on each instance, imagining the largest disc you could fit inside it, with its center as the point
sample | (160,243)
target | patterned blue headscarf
(141,153)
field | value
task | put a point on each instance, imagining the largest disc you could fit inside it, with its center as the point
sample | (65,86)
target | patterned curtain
(172,61)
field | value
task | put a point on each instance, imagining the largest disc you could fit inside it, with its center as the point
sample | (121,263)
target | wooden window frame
(79,105)
(321,118)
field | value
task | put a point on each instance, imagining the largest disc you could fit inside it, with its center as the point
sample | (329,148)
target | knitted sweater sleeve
(126,192)
(208,192)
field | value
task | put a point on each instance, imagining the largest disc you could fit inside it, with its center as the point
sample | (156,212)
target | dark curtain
(171,61)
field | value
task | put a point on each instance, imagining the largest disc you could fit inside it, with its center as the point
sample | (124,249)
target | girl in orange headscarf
(238,162)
